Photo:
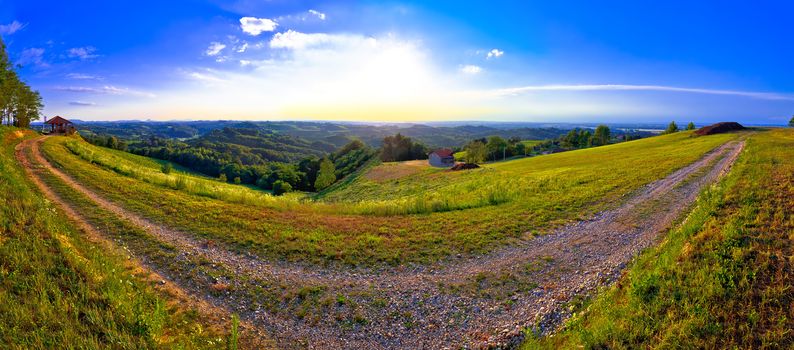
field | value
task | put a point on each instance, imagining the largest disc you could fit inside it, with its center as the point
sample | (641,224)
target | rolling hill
(404,255)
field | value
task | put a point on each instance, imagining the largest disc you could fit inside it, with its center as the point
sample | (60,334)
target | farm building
(441,158)
(59,125)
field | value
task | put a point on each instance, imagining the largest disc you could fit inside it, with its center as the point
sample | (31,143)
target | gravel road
(483,301)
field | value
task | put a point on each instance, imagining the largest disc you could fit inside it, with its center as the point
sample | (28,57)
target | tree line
(497,148)
(19,103)
(233,164)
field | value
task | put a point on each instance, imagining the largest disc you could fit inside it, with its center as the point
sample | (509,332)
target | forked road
(572,260)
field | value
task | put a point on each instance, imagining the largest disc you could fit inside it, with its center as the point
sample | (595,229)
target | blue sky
(568,61)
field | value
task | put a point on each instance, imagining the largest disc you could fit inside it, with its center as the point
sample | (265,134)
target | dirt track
(452,305)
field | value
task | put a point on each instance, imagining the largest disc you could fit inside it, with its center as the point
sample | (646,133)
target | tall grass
(422,217)
(481,193)
(60,291)
(722,280)
(177,181)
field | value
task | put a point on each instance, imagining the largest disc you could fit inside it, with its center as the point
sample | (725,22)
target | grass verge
(60,291)
(723,279)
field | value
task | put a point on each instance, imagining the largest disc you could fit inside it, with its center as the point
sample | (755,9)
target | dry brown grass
(396,170)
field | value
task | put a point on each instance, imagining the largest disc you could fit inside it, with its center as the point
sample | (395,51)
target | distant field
(417,215)
(722,280)
(531,143)
(59,290)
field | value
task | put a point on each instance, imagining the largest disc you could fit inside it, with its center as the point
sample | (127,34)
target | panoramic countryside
(274,174)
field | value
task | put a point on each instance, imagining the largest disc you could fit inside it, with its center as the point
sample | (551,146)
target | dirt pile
(719,128)
(464,166)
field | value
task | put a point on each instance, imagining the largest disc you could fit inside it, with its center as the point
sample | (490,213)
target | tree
(570,140)
(325,177)
(791,122)
(476,152)
(281,187)
(690,126)
(113,142)
(19,104)
(166,168)
(521,149)
(585,139)
(496,147)
(398,148)
(223,177)
(602,135)
(671,128)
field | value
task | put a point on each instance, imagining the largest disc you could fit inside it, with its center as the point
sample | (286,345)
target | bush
(166,168)
(671,128)
(223,178)
(281,187)
(237,180)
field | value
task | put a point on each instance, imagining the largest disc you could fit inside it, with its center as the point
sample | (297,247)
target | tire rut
(446,302)
(212,313)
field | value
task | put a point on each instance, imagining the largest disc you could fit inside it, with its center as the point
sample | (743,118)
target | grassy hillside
(600,169)
(421,217)
(60,291)
(721,280)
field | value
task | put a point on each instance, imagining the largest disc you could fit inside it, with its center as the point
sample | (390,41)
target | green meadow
(420,216)
(59,290)
(722,280)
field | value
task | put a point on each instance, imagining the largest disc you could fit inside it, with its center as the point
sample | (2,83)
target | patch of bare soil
(719,128)
(396,170)
(482,301)
(464,166)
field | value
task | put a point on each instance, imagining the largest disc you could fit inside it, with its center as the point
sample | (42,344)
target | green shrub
(166,168)
(281,187)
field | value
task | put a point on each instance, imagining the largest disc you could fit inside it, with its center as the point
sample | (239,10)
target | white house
(441,158)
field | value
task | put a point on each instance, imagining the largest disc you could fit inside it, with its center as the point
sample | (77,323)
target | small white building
(441,158)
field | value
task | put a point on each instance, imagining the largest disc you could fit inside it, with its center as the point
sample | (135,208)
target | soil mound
(719,128)
(464,166)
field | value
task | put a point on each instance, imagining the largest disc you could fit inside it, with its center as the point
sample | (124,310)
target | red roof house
(442,158)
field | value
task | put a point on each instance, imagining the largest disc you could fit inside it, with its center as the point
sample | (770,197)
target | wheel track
(592,252)
(252,336)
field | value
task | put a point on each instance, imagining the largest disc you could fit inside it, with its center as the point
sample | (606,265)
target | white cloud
(255,26)
(34,56)
(297,41)
(82,103)
(214,49)
(80,76)
(104,90)
(82,53)
(319,14)
(242,48)
(625,87)
(207,76)
(470,69)
(495,53)
(11,28)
